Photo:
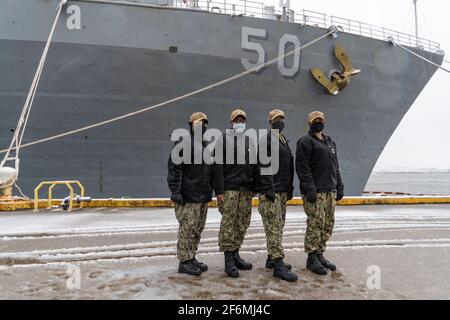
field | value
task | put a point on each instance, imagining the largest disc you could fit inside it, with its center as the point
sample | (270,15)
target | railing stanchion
(318,19)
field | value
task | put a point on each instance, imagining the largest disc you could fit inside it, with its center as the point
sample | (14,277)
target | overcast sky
(422,139)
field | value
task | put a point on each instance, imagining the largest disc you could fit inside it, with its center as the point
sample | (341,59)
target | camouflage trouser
(273,216)
(236,215)
(191,218)
(319,221)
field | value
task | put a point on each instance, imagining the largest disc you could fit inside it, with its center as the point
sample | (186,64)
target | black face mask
(204,128)
(317,127)
(278,126)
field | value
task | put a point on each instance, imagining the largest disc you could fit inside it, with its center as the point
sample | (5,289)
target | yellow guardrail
(52,185)
(9,205)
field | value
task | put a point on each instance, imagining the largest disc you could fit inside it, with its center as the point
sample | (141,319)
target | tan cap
(314,115)
(276,113)
(196,116)
(236,113)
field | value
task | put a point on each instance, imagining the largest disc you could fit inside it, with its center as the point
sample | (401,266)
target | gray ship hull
(120,61)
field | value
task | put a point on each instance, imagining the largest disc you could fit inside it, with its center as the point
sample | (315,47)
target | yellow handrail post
(81,192)
(36,196)
(70,196)
(50,194)
(52,185)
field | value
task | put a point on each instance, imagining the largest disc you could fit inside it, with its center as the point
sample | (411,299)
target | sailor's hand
(270,195)
(290,195)
(220,202)
(311,196)
(339,195)
(177,198)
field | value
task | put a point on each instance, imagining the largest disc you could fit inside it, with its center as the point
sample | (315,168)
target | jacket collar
(280,136)
(312,134)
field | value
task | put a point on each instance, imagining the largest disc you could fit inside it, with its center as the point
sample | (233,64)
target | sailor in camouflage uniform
(321,186)
(241,182)
(192,186)
(273,212)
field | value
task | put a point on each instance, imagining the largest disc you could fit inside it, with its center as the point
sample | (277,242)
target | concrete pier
(131,254)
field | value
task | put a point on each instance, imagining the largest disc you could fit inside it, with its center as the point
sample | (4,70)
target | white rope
(21,192)
(418,55)
(187,95)
(23,120)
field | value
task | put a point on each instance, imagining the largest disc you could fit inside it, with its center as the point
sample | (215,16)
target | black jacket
(195,182)
(317,165)
(283,180)
(245,176)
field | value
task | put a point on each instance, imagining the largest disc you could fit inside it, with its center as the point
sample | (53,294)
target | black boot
(327,264)
(241,263)
(203,267)
(230,266)
(281,271)
(313,264)
(189,268)
(270,263)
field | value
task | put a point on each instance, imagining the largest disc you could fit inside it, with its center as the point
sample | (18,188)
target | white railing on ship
(258,10)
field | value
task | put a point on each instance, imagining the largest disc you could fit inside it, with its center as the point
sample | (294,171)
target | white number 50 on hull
(286,39)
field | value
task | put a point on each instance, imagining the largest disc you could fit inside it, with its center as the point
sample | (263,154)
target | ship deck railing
(307,17)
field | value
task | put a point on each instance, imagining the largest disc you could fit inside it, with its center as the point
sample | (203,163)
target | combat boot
(241,263)
(327,264)
(188,267)
(313,264)
(230,266)
(270,263)
(203,267)
(281,271)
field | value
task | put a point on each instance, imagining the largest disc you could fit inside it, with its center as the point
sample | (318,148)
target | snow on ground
(131,254)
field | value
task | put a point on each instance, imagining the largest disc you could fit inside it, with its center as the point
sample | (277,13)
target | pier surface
(131,254)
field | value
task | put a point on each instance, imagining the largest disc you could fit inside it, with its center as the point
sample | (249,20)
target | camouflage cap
(314,115)
(236,113)
(196,116)
(276,113)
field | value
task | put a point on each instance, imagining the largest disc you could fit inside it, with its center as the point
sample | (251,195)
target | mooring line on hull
(187,95)
(391,39)
(24,196)
(25,114)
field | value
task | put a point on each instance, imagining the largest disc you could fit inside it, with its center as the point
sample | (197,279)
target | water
(433,183)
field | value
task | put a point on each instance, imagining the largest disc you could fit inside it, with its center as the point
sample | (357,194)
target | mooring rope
(24,196)
(418,55)
(24,116)
(187,95)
